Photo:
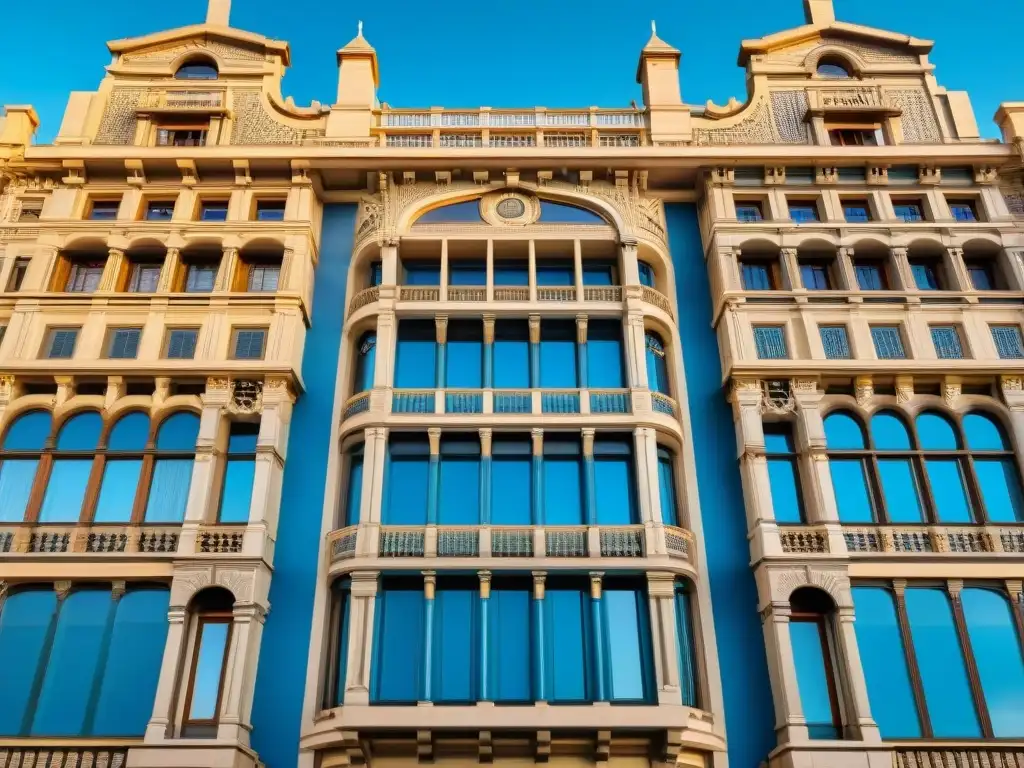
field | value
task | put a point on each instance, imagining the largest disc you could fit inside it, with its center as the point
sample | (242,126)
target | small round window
(197,70)
(833,68)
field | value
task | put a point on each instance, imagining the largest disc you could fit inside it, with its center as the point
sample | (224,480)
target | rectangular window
(604,355)
(908,210)
(416,355)
(963,210)
(511,480)
(263,278)
(144,278)
(181,343)
(123,343)
(835,341)
(464,354)
(60,343)
(555,272)
(982,274)
(18,274)
(946,339)
(563,480)
(159,210)
(802,212)
(856,211)
(1008,341)
(566,631)
(84,277)
(771,342)
(667,488)
(888,342)
(270,210)
(614,481)
(815,276)
(249,343)
(870,276)
(422,272)
(510,640)
(467,272)
(459,493)
(511,354)
(239,473)
(625,615)
(854,135)
(398,646)
(599,273)
(558,354)
(104,210)
(511,272)
(354,497)
(927,275)
(407,473)
(749,210)
(809,637)
(783,473)
(213,210)
(758,275)
(183,136)
(31,209)
(455,650)
(200,277)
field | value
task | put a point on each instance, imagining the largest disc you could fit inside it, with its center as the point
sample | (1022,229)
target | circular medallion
(511,208)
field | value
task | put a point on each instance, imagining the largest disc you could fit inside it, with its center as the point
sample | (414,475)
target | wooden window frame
(202,618)
(134,267)
(91,205)
(166,344)
(772,265)
(172,127)
(257,201)
(18,271)
(870,456)
(234,342)
(825,634)
(801,201)
(202,202)
(883,270)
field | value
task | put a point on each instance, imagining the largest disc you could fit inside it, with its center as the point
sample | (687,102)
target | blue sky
(554,53)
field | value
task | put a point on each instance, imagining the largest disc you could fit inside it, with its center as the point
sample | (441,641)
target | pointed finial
(654,27)
(359,32)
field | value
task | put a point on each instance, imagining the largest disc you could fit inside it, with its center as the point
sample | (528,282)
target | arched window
(71,465)
(646,274)
(22,452)
(925,473)
(657,370)
(172,468)
(686,645)
(810,633)
(197,69)
(833,68)
(119,499)
(212,610)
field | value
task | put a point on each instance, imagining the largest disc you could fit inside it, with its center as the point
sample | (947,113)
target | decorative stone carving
(904,389)
(756,128)
(865,390)
(169,53)
(239,583)
(919,123)
(951,393)
(246,397)
(118,123)
(788,109)
(253,124)
(509,209)
(1011,383)
(785,582)
(777,397)
(1014,202)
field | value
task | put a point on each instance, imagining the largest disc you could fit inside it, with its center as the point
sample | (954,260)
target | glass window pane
(65,491)
(117,493)
(236,497)
(511,354)
(467,273)
(24,625)
(509,642)
(558,354)
(555,272)
(213,641)
(455,646)
(936,433)
(355,488)
(565,644)
(563,499)
(941,664)
(889,432)
(28,432)
(344,619)
(407,491)
(366,357)
(850,484)
(657,370)
(398,675)
(667,491)
(168,491)
(948,490)
(812,676)
(785,487)
(628,649)
(899,486)
(129,683)
(511,485)
(129,433)
(242,438)
(178,433)
(604,355)
(997,651)
(465,353)
(460,491)
(73,664)
(885,663)
(983,433)
(685,646)
(1000,487)
(843,432)
(616,490)
(16,478)
(416,357)
(81,432)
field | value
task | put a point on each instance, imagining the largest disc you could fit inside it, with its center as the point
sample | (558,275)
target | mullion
(971,665)
(916,685)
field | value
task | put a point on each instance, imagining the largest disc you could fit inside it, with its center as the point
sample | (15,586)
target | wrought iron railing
(512,542)
(463,402)
(610,401)
(220,540)
(930,539)
(342,543)
(678,542)
(401,542)
(413,401)
(627,541)
(566,542)
(602,293)
(513,401)
(458,542)
(664,404)
(358,403)
(420,293)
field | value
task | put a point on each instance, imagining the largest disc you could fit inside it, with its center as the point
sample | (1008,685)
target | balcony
(507,401)
(903,540)
(73,539)
(183,101)
(431,542)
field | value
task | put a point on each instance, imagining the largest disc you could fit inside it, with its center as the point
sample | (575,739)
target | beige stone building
(359,435)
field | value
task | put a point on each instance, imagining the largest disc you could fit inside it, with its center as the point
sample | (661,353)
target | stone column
(169,271)
(532,269)
(363,594)
(429,592)
(159,727)
(661,600)
(537,468)
(956,270)
(790,269)
(443,288)
(815,475)
(577,268)
(847,275)
(636,350)
(485,476)
(601,673)
(389,263)
(490,271)
(240,673)
(590,479)
(383,361)
(434,476)
(112,270)
(581,351)
(901,270)
(856,689)
(488,378)
(271,451)
(789,713)
(441,325)
(630,263)
(534,325)
(648,489)
(226,270)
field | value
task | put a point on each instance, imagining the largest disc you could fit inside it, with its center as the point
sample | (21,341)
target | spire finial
(654,27)
(359,32)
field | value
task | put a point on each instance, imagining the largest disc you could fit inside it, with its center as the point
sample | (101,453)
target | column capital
(489,329)
(534,325)
(587,434)
(539,579)
(581,329)
(595,584)
(434,436)
(955,251)
(788,252)
(485,583)
(899,251)
(115,252)
(441,326)
(955,587)
(661,584)
(486,436)
(429,584)
(537,438)
(364,583)
(628,241)
(1014,587)
(846,251)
